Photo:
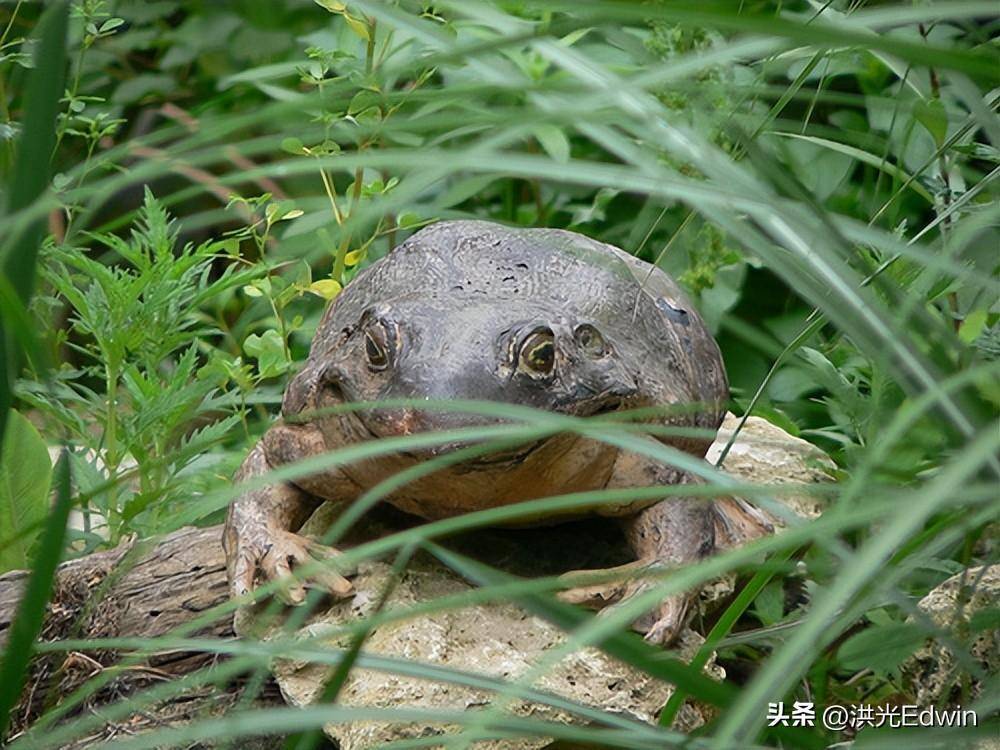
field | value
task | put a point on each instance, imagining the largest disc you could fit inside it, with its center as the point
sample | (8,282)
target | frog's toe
(244,571)
(325,552)
(276,565)
(664,624)
(311,563)
(330,581)
(661,625)
(598,596)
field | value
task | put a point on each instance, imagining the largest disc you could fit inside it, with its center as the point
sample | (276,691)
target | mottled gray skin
(474,310)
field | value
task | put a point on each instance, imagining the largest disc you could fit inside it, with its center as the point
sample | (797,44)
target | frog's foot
(738,522)
(672,534)
(259,542)
(278,556)
(662,625)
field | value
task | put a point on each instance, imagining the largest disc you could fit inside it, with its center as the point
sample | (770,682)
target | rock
(765,454)
(936,674)
(500,639)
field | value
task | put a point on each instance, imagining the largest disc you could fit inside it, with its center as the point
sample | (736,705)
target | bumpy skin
(474,310)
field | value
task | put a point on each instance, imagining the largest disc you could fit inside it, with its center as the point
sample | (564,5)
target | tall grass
(821,176)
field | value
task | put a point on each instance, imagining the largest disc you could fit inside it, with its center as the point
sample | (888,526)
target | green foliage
(820,177)
(25,182)
(25,476)
(22,636)
(139,404)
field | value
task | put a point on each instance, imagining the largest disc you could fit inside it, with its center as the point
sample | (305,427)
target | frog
(472,310)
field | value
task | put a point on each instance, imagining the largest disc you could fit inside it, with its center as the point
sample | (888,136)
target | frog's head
(523,354)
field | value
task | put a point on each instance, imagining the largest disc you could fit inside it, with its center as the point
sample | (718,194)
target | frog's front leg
(670,534)
(259,537)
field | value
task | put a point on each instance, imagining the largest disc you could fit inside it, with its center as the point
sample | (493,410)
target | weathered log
(135,590)
(164,583)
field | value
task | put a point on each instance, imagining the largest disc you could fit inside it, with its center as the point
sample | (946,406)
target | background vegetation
(187,183)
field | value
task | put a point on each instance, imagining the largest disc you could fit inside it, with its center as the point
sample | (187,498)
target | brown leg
(600,595)
(672,533)
(259,536)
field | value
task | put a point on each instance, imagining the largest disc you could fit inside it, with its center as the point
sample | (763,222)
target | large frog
(474,310)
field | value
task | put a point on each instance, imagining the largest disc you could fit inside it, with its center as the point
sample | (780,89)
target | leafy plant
(140,405)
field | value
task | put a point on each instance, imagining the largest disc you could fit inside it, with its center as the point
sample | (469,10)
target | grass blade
(27,622)
(31,175)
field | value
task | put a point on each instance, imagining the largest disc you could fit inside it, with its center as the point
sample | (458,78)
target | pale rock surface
(499,640)
(765,454)
(935,671)
(502,640)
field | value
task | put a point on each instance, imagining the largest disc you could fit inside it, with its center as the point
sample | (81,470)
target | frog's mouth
(381,424)
(374,424)
(509,458)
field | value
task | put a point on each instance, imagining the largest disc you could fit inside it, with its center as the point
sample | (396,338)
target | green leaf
(293,146)
(553,140)
(27,623)
(870,159)
(111,24)
(358,26)
(770,603)
(269,351)
(408,219)
(30,178)
(325,288)
(574,36)
(333,6)
(134,89)
(931,114)
(973,325)
(363,100)
(25,476)
(880,648)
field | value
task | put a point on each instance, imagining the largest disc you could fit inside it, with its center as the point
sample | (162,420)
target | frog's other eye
(590,340)
(377,348)
(538,353)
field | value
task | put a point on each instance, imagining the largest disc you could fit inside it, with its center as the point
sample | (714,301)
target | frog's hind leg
(617,583)
(670,534)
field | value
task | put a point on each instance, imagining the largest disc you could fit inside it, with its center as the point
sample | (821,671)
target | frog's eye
(377,346)
(590,340)
(538,353)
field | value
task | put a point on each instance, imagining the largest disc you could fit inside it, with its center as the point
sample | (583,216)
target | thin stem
(10,23)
